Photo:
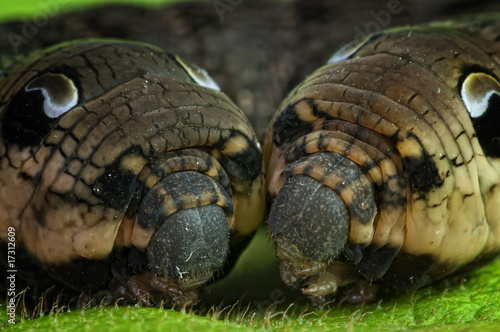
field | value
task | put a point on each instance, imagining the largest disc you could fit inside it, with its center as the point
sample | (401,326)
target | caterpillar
(124,166)
(383,164)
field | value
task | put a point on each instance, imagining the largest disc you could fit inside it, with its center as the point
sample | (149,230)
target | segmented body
(122,163)
(396,132)
(375,170)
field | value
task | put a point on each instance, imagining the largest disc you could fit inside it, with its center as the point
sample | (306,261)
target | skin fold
(374,184)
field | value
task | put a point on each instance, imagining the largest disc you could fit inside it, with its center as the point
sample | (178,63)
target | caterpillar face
(384,165)
(123,166)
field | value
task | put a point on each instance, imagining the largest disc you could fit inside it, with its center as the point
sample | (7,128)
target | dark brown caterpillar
(259,51)
(123,166)
(384,164)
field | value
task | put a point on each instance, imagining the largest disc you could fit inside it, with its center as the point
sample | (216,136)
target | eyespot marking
(59,92)
(199,75)
(477,90)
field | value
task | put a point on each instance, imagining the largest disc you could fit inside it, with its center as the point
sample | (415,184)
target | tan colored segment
(132,163)
(31,165)
(151,180)
(131,233)
(64,244)
(249,208)
(360,232)
(55,137)
(489,179)
(305,112)
(75,116)
(235,145)
(192,160)
(390,228)
(110,149)
(358,115)
(454,243)
(89,173)
(64,183)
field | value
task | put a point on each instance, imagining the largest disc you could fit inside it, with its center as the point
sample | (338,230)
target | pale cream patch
(58,246)
(361,233)
(304,112)
(140,236)
(151,180)
(124,234)
(249,207)
(456,239)
(236,144)
(410,148)
(97,241)
(132,163)
(489,179)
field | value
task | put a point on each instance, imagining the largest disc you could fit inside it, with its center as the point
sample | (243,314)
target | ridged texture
(393,105)
(143,152)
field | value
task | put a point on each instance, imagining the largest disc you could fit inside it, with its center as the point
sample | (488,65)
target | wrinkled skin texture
(256,54)
(119,162)
(260,50)
(395,132)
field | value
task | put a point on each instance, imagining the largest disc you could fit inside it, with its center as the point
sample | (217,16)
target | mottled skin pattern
(116,179)
(391,116)
(260,50)
(147,180)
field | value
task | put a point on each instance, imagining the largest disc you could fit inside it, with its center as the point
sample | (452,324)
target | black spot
(409,271)
(246,164)
(375,263)
(24,121)
(487,128)
(128,261)
(288,126)
(354,252)
(423,174)
(115,187)
(82,274)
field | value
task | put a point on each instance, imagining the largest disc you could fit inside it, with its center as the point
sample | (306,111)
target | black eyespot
(481,95)
(32,110)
